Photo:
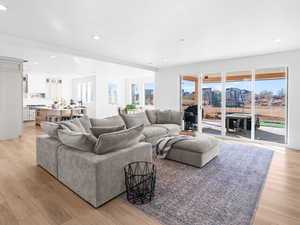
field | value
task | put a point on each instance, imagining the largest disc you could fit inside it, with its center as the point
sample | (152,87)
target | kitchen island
(46,113)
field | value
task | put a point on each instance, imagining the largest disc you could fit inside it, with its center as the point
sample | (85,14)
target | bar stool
(66,114)
(76,113)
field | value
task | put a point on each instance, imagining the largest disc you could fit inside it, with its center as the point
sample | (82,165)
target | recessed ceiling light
(3,8)
(150,63)
(35,63)
(277,40)
(181,40)
(96,37)
(53,56)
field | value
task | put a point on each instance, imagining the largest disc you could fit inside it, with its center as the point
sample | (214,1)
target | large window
(85,92)
(135,96)
(247,104)
(113,94)
(149,93)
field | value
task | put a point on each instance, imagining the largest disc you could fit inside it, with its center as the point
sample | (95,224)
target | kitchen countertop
(58,109)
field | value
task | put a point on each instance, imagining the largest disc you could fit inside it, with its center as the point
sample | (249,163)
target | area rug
(224,192)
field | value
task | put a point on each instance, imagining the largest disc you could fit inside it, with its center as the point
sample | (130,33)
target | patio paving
(263,133)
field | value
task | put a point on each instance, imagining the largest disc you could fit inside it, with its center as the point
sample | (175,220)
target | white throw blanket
(165,144)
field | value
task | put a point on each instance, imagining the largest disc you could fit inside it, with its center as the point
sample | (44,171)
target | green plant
(130,106)
(55,102)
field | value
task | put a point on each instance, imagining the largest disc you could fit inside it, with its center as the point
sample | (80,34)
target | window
(113,94)
(241,104)
(135,96)
(270,106)
(85,92)
(149,93)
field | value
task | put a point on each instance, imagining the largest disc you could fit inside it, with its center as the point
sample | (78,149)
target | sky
(261,85)
(149,85)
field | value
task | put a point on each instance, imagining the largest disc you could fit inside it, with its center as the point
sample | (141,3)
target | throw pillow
(73,125)
(164,116)
(97,131)
(78,140)
(50,129)
(132,120)
(118,140)
(152,115)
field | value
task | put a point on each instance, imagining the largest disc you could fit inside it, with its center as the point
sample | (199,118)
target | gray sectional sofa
(92,165)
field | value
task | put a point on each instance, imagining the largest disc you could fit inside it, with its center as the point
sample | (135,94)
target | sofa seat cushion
(154,131)
(173,129)
(200,144)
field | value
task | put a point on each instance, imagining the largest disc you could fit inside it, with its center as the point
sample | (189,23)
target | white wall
(106,73)
(10,98)
(168,86)
(119,75)
(37,84)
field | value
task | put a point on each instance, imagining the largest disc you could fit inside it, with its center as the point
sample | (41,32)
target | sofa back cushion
(135,119)
(78,140)
(108,122)
(169,117)
(50,129)
(164,116)
(97,131)
(118,140)
(152,115)
(176,117)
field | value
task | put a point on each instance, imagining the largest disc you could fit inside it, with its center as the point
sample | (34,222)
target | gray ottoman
(196,152)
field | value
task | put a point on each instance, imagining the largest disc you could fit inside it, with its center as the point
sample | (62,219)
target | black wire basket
(140,182)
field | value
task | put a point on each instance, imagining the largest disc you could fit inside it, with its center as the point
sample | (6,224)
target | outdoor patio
(263,133)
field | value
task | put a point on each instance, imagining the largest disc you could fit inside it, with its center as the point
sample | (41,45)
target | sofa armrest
(98,178)
(46,153)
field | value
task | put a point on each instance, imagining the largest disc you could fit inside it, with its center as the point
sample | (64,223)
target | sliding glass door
(238,104)
(249,104)
(189,101)
(270,105)
(211,121)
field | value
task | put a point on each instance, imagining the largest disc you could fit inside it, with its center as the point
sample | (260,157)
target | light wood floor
(29,195)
